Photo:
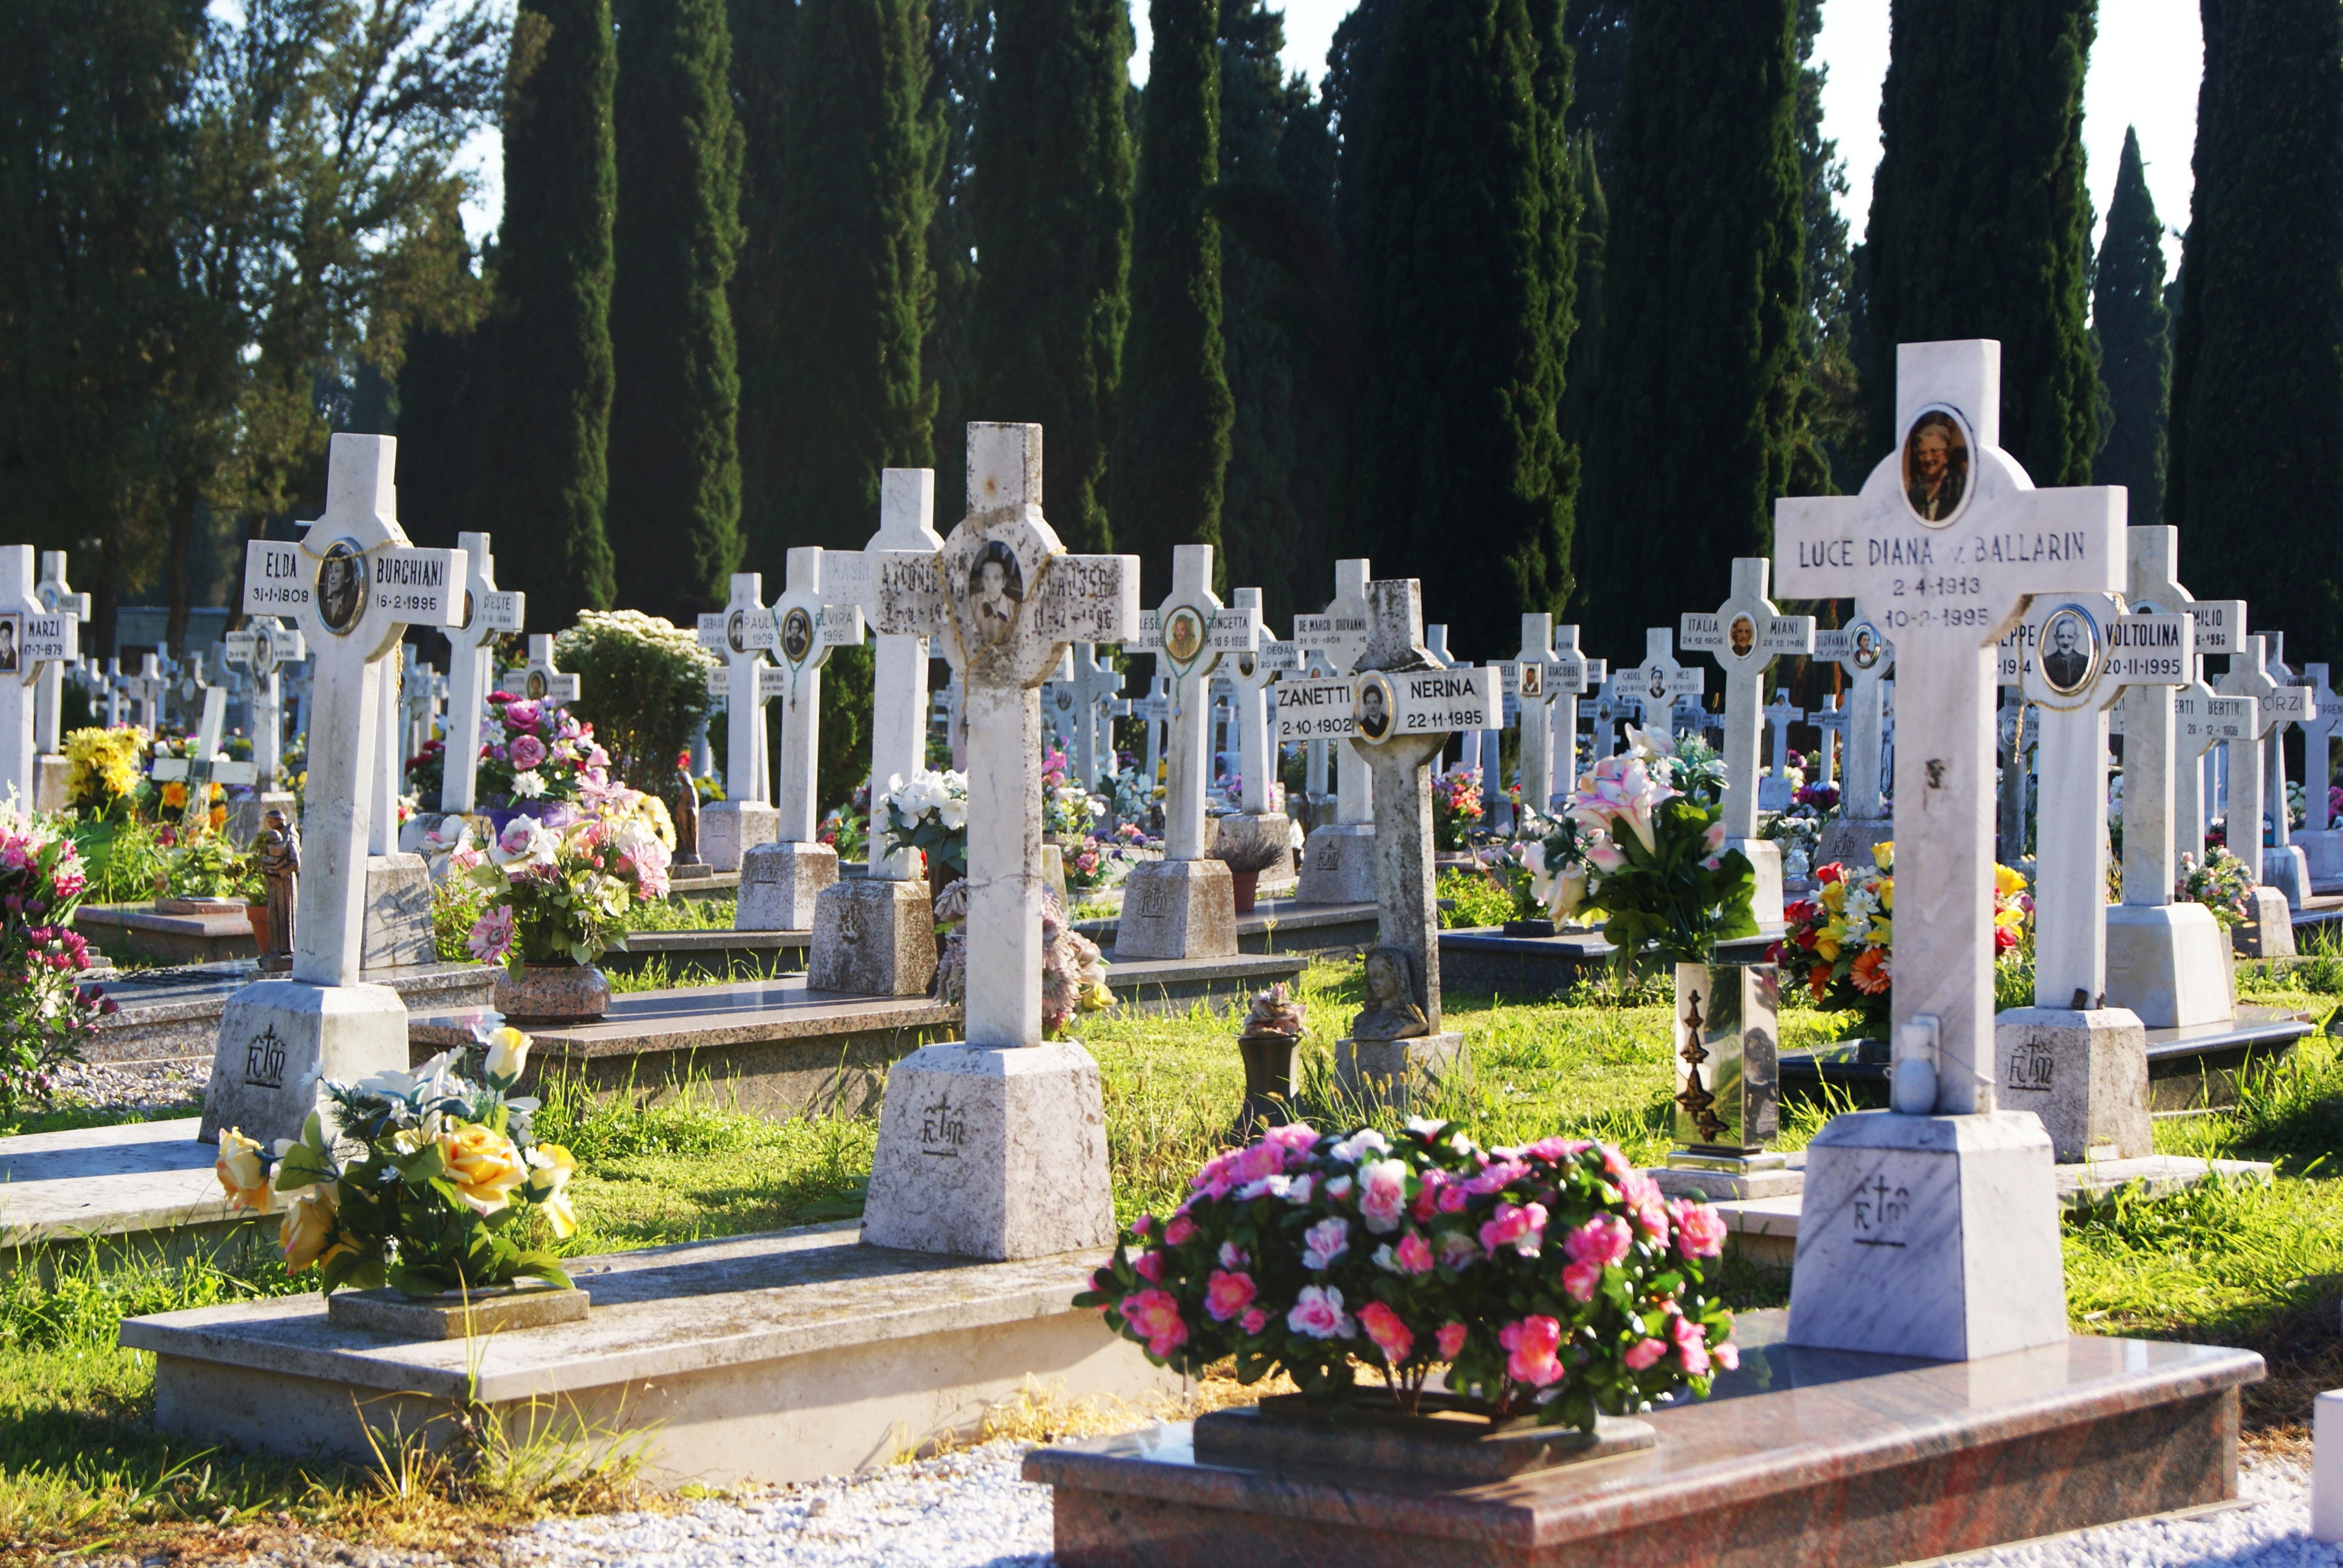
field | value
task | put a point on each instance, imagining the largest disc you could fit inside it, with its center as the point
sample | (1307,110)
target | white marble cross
(2202,720)
(1060,701)
(1341,635)
(1654,685)
(1249,674)
(808,623)
(1830,722)
(1946,589)
(2295,703)
(898,675)
(740,635)
(353,584)
(32,639)
(1189,635)
(1780,714)
(489,612)
(2084,653)
(1536,688)
(422,691)
(57,598)
(2274,704)
(1866,655)
(1567,674)
(2318,736)
(2153,759)
(116,693)
(1098,691)
(1746,636)
(206,764)
(541,680)
(261,649)
(1006,600)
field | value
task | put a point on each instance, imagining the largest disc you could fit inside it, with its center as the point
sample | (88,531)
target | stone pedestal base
(2285,868)
(1338,865)
(278,1038)
(1396,1073)
(1765,860)
(2085,1074)
(2323,853)
(245,817)
(2169,963)
(2269,934)
(1178,909)
(987,1152)
(1929,1236)
(1252,833)
(731,829)
(780,883)
(49,777)
(872,937)
(1849,843)
(398,912)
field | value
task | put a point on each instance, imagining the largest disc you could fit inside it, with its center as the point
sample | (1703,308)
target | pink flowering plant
(1651,841)
(559,891)
(533,752)
(1456,807)
(1554,1281)
(46,1014)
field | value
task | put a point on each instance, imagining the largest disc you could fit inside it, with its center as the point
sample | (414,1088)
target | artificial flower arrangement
(426,770)
(1231,794)
(1102,859)
(1455,808)
(1074,970)
(416,1180)
(46,1013)
(534,754)
(201,864)
(2221,882)
(1648,851)
(104,768)
(1554,1281)
(1842,939)
(561,892)
(175,796)
(929,812)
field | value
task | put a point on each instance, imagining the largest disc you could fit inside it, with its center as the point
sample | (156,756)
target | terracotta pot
(1247,884)
(556,993)
(257,914)
(1269,1061)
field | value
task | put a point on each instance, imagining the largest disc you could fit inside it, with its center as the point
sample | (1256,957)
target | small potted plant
(1272,1036)
(1249,846)
(429,1182)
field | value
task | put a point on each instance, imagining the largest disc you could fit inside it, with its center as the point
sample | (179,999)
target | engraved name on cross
(1746,636)
(57,598)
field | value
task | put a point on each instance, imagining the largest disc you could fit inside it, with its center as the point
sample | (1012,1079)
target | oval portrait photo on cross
(1935,467)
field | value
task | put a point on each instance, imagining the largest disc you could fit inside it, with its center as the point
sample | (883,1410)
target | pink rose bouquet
(1553,1281)
(46,1014)
(559,891)
(535,753)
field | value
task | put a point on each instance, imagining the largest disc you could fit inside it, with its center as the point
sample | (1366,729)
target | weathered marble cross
(206,764)
(1746,636)
(32,639)
(2274,704)
(352,585)
(1250,673)
(899,674)
(2202,720)
(57,598)
(1568,673)
(1535,688)
(808,624)
(1188,635)
(2153,754)
(2295,703)
(1866,655)
(1946,590)
(1780,714)
(741,634)
(489,612)
(1341,635)
(1654,685)
(1097,692)
(1154,710)
(261,649)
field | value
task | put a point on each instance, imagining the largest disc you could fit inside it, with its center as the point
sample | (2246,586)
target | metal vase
(1728,1093)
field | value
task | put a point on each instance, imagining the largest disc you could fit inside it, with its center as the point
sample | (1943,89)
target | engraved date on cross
(1880,1211)
(264,1061)
(941,1130)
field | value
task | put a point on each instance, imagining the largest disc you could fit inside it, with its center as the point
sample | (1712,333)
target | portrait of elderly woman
(996,592)
(1935,467)
(341,586)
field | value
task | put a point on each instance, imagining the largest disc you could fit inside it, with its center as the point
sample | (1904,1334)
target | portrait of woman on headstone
(537,686)
(2070,647)
(797,636)
(736,631)
(1375,707)
(1743,634)
(1935,467)
(1866,647)
(1183,634)
(996,592)
(341,587)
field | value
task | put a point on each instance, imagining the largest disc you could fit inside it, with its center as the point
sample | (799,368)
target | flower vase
(559,991)
(1727,1097)
(256,916)
(1269,1067)
(1247,887)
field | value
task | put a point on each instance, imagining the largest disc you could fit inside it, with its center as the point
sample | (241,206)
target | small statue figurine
(1391,1012)
(686,813)
(279,849)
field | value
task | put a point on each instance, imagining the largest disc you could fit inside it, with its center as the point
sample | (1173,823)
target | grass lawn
(79,1467)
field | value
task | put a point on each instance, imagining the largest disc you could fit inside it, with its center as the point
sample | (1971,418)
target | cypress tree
(761,34)
(675,469)
(858,184)
(1698,370)
(959,58)
(2258,376)
(2135,333)
(1980,225)
(1174,411)
(552,375)
(1456,468)
(1827,456)
(1597,33)
(1052,211)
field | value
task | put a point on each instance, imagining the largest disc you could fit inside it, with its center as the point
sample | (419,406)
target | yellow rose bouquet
(416,1180)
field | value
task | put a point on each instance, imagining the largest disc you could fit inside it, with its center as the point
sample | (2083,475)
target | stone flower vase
(560,991)
(1726,1097)
(1269,1064)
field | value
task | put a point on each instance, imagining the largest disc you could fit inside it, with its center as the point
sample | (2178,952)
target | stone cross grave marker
(1774,794)
(1654,685)
(1533,680)
(115,693)
(1338,859)
(874,935)
(1060,701)
(2167,962)
(1097,690)
(57,598)
(2321,842)
(206,764)
(1251,674)
(2274,704)
(262,648)
(2073,1059)
(352,585)
(1184,905)
(31,638)
(1830,722)
(1398,710)
(2202,720)
(1943,551)
(2283,865)
(1866,656)
(424,690)
(780,882)
(1746,636)
(740,635)
(490,612)
(996,1147)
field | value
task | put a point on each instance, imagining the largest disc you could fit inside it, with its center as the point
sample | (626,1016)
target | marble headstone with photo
(1746,636)
(1653,686)
(1866,654)
(740,635)
(57,598)
(352,585)
(780,882)
(33,639)
(1337,860)
(1253,829)
(1932,1228)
